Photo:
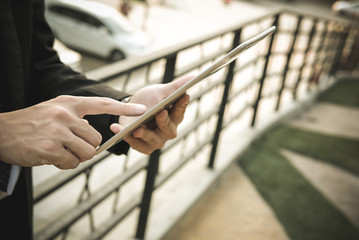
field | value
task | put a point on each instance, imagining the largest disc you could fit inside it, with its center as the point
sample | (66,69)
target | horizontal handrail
(47,187)
(324,61)
(71,215)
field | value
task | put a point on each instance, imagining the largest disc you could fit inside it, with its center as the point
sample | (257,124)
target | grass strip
(345,92)
(342,152)
(304,212)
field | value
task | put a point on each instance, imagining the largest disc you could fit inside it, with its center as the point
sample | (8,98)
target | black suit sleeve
(49,77)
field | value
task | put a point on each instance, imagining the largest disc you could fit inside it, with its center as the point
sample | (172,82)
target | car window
(92,20)
(79,16)
(67,12)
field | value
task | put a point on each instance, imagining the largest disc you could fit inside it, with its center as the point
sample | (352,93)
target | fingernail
(140,108)
(138,133)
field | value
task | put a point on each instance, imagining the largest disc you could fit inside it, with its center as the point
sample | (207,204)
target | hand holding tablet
(172,97)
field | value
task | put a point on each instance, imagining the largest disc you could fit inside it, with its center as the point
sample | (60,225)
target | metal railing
(305,51)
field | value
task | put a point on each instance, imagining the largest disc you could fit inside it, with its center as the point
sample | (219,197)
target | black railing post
(259,95)
(353,58)
(317,65)
(306,52)
(222,108)
(170,69)
(289,57)
(153,165)
(338,57)
(331,48)
(152,170)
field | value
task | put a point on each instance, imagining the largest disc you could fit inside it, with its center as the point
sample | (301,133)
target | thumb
(173,86)
(116,128)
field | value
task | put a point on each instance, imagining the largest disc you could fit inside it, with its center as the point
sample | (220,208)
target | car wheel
(117,55)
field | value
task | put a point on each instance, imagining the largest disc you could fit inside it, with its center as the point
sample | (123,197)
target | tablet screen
(217,65)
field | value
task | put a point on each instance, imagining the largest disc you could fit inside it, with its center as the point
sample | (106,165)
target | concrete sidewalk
(235,210)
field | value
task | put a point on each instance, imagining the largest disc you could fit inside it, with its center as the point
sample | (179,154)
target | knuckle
(148,152)
(98,139)
(49,146)
(90,153)
(158,144)
(64,98)
(105,101)
(135,145)
(74,164)
(87,154)
(60,112)
(59,164)
(66,166)
(172,134)
(161,144)
(55,129)
(64,163)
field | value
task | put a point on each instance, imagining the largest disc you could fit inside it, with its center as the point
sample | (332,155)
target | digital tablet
(217,65)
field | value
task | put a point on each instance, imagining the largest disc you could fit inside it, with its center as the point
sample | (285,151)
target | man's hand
(54,132)
(149,138)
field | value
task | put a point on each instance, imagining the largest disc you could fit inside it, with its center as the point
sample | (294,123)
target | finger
(165,125)
(116,128)
(100,105)
(80,148)
(152,137)
(136,143)
(178,110)
(139,144)
(69,161)
(173,86)
(64,159)
(86,132)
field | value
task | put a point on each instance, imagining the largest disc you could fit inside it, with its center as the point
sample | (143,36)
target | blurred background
(162,22)
(269,147)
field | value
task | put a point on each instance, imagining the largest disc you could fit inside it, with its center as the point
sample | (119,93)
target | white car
(95,28)
(346,9)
